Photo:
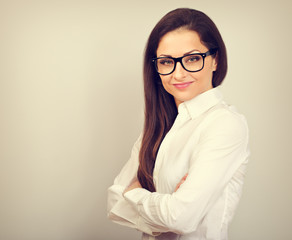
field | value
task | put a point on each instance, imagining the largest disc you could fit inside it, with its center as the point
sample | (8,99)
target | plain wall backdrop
(71,106)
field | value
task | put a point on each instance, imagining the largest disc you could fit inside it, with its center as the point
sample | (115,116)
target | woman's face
(181,84)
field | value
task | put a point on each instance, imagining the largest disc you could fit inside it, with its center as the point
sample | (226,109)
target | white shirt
(209,141)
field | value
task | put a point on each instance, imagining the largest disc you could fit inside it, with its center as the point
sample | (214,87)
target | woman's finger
(181,182)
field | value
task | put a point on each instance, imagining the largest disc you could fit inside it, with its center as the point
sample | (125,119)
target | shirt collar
(201,103)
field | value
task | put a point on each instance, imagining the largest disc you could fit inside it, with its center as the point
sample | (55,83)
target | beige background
(71,107)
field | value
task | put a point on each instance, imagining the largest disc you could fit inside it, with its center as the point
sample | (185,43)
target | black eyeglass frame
(179,59)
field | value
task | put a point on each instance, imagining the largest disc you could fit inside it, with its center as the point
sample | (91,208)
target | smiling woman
(185,175)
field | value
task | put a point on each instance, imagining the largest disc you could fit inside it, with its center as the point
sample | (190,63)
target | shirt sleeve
(222,148)
(120,210)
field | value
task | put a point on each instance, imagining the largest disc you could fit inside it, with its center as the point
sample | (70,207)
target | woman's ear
(214,64)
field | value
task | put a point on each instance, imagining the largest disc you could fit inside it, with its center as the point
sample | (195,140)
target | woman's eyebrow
(165,55)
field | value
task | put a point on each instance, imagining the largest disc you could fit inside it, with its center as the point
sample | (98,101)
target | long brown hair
(160,108)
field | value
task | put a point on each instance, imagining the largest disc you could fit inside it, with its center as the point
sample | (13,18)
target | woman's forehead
(179,42)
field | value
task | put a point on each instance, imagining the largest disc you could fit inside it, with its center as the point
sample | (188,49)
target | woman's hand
(133,185)
(181,182)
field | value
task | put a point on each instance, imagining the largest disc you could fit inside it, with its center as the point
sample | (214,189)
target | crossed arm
(136,184)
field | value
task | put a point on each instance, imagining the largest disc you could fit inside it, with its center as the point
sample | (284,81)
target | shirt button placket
(179,121)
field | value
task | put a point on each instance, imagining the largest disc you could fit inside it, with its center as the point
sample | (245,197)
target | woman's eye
(165,62)
(194,58)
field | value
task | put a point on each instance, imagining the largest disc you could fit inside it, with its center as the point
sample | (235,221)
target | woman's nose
(179,72)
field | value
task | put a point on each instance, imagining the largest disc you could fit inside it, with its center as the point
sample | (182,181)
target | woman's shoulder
(225,117)
(225,112)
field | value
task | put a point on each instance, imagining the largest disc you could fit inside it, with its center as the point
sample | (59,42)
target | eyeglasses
(192,62)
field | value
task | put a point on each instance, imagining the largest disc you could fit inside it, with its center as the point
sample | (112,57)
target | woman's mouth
(182,85)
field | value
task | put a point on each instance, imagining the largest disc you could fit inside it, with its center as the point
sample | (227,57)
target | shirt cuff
(135,198)
(124,214)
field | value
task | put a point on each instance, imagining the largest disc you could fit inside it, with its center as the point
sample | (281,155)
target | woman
(185,175)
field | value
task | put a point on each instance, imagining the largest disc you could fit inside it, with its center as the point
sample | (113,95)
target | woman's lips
(182,85)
